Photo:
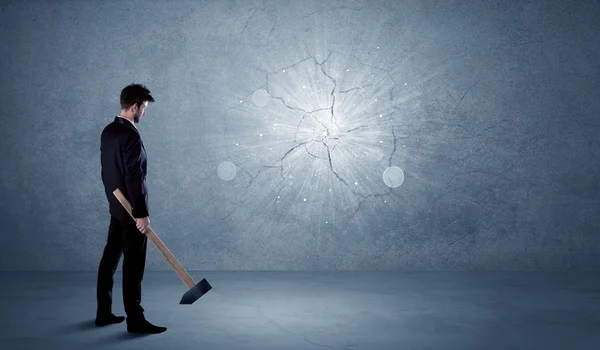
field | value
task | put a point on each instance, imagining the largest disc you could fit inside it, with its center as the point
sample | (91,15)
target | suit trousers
(127,240)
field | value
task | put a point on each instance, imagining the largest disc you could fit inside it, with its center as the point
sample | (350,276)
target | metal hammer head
(196,292)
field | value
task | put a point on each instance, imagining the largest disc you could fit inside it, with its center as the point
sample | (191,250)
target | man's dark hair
(135,94)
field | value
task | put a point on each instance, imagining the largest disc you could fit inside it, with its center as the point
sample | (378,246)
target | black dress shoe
(141,326)
(103,320)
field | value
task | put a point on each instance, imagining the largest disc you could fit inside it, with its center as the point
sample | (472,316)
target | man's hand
(142,224)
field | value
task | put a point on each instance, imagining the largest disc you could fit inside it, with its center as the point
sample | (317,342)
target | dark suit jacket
(123,159)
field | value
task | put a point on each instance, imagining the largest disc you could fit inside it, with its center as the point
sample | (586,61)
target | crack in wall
(330,136)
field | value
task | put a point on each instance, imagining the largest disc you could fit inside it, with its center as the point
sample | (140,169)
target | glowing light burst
(316,140)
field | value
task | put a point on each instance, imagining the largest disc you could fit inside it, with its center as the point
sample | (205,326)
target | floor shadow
(81,326)
(121,337)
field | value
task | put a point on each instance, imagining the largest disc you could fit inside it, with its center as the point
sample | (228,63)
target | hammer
(195,290)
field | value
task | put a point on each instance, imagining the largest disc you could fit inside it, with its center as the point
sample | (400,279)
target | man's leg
(108,266)
(134,261)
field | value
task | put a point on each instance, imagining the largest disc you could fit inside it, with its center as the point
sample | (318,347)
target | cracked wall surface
(326,135)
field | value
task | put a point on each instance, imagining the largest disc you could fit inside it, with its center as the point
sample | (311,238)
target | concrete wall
(408,135)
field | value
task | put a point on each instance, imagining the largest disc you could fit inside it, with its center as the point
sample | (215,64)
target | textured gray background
(490,110)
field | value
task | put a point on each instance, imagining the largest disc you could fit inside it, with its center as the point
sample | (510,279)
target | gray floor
(312,310)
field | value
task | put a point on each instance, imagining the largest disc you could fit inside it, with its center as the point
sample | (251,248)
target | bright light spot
(305,199)
(260,135)
(226,171)
(393,176)
(356,183)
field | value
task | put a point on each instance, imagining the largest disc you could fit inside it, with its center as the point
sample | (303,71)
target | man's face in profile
(140,112)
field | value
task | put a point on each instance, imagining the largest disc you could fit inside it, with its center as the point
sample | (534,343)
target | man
(123,159)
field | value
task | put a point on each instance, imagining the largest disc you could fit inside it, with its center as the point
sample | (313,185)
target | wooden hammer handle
(185,277)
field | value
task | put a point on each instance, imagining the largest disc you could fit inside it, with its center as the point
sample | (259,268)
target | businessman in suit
(123,159)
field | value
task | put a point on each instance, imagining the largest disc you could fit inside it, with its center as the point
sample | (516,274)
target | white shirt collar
(132,123)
